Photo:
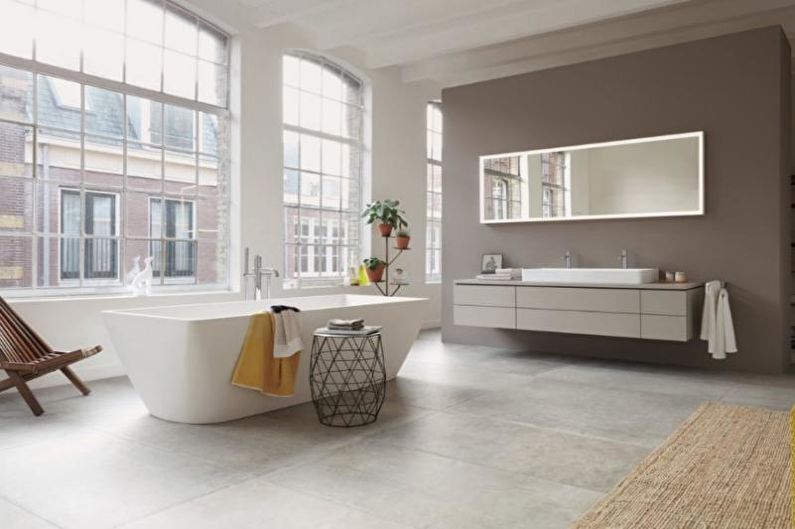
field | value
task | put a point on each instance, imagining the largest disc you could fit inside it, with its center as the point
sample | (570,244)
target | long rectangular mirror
(660,176)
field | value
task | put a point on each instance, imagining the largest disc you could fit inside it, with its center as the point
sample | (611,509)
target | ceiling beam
(488,28)
(273,12)
(612,37)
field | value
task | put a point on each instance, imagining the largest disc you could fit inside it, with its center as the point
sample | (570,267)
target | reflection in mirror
(660,176)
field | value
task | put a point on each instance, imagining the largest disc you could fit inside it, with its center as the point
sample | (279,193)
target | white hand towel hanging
(725,341)
(709,313)
(287,334)
(717,326)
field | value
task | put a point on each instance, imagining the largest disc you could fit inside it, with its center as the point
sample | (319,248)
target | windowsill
(18,297)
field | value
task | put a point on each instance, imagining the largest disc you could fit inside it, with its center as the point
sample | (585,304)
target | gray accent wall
(736,88)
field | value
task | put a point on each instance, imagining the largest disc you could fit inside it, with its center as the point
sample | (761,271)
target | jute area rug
(726,467)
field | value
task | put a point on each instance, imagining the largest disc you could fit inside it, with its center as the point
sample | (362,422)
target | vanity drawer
(484,296)
(663,302)
(674,328)
(579,299)
(577,322)
(496,317)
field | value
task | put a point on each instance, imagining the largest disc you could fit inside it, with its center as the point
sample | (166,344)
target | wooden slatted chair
(24,355)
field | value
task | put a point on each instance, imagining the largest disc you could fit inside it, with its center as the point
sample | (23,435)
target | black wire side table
(347,377)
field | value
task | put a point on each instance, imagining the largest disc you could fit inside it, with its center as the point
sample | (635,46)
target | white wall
(398,171)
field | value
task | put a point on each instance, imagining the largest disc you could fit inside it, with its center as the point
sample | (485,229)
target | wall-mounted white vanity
(653,311)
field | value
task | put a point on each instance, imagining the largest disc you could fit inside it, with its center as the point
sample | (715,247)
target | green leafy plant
(403,232)
(385,212)
(372,263)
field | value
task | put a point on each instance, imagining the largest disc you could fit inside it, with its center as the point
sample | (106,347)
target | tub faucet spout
(257,272)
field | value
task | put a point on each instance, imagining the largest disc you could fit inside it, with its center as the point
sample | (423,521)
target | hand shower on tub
(257,273)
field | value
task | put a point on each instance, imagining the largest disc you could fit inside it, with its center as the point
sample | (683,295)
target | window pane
(290,70)
(290,105)
(332,117)
(310,189)
(141,216)
(180,126)
(209,227)
(145,20)
(211,263)
(291,149)
(144,64)
(332,157)
(15,262)
(106,13)
(106,117)
(16,88)
(181,31)
(332,188)
(310,75)
(56,40)
(290,186)
(58,103)
(310,111)
(144,167)
(58,155)
(104,161)
(15,154)
(103,53)
(16,205)
(211,172)
(16,29)
(209,134)
(145,121)
(310,153)
(179,74)
(332,84)
(212,44)
(212,83)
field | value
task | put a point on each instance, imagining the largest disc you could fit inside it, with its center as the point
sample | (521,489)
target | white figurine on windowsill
(134,271)
(142,283)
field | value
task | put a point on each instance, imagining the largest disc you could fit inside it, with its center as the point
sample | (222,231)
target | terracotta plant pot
(385,230)
(375,275)
(402,243)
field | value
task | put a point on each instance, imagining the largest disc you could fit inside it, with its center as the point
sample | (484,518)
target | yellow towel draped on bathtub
(257,368)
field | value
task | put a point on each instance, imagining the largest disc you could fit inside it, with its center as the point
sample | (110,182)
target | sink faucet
(257,273)
(623,259)
(567,259)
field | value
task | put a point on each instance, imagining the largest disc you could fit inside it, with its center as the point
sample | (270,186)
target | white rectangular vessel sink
(607,276)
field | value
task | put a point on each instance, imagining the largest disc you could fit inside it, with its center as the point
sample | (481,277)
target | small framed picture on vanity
(490,263)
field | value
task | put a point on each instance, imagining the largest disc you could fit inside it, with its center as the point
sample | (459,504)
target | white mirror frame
(700,211)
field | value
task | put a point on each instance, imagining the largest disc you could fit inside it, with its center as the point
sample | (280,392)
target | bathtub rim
(366,300)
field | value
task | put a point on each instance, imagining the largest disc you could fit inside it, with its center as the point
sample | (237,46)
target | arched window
(323,107)
(113,145)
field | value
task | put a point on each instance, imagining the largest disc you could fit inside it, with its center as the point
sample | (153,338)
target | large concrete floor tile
(775,397)
(91,480)
(567,458)
(420,393)
(654,379)
(636,417)
(428,490)
(13,517)
(259,504)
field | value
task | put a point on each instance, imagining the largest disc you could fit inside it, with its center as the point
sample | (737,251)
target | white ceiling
(457,41)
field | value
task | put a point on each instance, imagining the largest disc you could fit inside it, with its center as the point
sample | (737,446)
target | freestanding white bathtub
(180,358)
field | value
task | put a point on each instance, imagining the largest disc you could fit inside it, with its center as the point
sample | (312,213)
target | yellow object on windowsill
(363,279)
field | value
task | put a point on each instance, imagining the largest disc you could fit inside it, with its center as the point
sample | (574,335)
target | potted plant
(402,239)
(375,268)
(386,214)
